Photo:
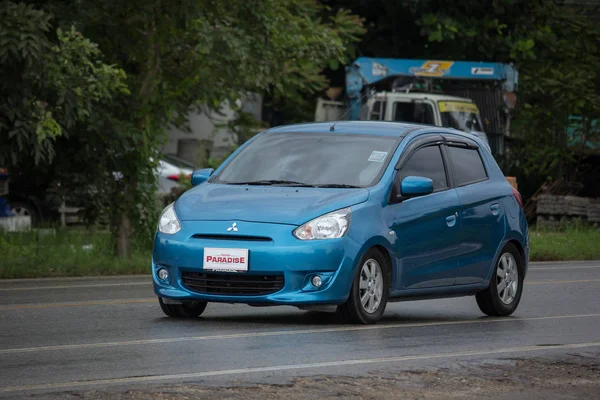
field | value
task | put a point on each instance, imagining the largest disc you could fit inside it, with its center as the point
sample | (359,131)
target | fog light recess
(162,274)
(316,281)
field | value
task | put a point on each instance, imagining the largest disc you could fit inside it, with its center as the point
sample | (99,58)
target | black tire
(353,310)
(25,208)
(185,310)
(490,301)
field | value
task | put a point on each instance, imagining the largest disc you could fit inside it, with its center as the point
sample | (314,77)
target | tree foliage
(178,55)
(554,46)
(52,80)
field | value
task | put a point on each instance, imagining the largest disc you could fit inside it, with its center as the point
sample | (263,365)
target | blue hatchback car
(348,217)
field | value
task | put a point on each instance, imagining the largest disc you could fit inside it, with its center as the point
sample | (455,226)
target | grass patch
(570,244)
(66,252)
(79,252)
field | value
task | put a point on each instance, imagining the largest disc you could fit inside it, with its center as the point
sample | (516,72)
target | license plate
(227,260)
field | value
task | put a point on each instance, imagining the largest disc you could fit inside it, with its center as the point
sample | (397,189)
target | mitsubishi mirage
(346,217)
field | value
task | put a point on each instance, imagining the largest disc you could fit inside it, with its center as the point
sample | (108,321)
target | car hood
(270,204)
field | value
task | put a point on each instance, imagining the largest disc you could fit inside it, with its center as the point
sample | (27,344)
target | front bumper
(334,260)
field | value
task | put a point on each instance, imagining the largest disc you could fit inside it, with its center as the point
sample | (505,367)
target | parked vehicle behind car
(345,217)
(37,196)
(170,171)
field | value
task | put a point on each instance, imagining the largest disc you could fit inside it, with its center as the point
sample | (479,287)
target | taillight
(176,177)
(518,197)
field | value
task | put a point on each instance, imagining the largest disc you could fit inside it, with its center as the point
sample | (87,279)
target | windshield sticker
(457,106)
(378,156)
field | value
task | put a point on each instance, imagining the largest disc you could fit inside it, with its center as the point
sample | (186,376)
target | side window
(467,165)
(426,162)
(378,111)
(421,113)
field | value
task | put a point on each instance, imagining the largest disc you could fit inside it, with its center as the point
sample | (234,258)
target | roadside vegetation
(568,244)
(103,81)
(67,252)
(81,252)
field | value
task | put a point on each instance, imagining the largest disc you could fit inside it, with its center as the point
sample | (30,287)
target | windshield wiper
(268,182)
(337,185)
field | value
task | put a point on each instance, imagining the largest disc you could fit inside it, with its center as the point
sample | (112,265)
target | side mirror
(201,175)
(413,186)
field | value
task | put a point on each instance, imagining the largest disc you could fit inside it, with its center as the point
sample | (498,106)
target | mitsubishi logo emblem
(233,227)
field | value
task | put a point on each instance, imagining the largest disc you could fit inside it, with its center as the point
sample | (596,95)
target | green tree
(554,46)
(51,81)
(180,55)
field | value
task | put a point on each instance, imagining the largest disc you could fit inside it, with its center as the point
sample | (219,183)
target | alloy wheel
(507,278)
(371,286)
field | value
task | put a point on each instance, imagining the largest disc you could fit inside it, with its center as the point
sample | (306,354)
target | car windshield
(312,159)
(463,116)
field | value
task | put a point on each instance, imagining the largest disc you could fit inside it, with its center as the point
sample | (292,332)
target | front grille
(232,284)
(244,238)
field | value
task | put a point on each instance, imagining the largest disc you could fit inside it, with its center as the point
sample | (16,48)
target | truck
(474,97)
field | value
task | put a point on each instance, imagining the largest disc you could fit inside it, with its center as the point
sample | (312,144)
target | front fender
(383,243)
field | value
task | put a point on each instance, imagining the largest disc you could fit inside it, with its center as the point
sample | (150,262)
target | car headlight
(329,226)
(168,222)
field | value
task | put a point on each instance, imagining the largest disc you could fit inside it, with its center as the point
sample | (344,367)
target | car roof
(375,128)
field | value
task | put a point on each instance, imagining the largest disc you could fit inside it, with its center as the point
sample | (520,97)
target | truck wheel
(370,290)
(25,209)
(190,309)
(503,295)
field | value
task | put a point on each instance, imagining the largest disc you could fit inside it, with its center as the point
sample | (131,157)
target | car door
(481,210)
(425,227)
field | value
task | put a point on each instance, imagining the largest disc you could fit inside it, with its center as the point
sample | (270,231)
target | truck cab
(421,108)
(425,108)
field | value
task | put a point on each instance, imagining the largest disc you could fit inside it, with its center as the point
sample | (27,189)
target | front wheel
(503,295)
(370,290)
(190,309)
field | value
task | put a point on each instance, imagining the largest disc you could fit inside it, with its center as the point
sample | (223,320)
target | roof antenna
(332,127)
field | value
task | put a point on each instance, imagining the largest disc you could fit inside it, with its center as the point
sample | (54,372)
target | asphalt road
(59,335)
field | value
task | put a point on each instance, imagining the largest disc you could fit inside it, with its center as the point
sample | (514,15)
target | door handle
(451,220)
(495,208)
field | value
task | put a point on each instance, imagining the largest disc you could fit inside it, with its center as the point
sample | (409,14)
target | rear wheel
(370,290)
(503,295)
(190,309)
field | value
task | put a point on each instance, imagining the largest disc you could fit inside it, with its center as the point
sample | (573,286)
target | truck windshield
(463,116)
(310,159)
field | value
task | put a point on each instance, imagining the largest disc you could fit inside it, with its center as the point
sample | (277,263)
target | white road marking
(289,367)
(152,299)
(15,289)
(559,282)
(285,333)
(563,268)
(77,304)
(97,278)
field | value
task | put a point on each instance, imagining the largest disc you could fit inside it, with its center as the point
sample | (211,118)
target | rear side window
(427,162)
(467,165)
